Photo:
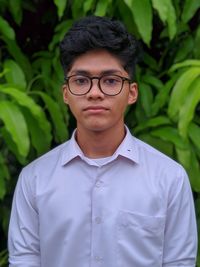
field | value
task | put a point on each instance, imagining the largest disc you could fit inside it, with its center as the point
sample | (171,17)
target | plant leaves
(162,8)
(87,5)
(171,135)
(15,7)
(189,9)
(19,57)
(38,136)
(151,123)
(196,44)
(143,22)
(6,29)
(162,97)
(171,20)
(26,101)
(188,108)
(187,47)
(185,63)
(153,81)
(102,7)
(61,5)
(16,125)
(11,145)
(15,74)
(194,134)
(146,97)
(180,90)
(56,115)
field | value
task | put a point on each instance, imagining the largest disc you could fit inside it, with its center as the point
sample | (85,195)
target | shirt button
(98,184)
(97,258)
(98,220)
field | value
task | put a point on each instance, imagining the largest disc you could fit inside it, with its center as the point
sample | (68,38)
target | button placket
(97,221)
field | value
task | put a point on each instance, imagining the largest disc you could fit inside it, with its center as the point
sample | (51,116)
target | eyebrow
(88,73)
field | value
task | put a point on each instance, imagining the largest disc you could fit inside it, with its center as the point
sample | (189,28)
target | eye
(111,80)
(79,80)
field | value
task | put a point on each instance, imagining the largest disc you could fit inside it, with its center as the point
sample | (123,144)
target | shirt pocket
(139,240)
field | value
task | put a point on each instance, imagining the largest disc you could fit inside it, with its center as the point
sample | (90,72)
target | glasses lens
(79,85)
(111,84)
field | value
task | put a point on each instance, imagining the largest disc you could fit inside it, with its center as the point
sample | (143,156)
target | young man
(103,198)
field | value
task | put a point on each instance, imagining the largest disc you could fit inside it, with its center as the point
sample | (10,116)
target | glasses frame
(124,79)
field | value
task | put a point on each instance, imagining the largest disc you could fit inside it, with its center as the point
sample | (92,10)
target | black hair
(95,32)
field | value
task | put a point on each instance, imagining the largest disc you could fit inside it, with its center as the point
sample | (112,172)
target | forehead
(95,62)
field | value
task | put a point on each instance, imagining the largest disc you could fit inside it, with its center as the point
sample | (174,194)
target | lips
(95,109)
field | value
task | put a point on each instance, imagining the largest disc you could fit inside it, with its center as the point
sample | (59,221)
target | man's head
(98,57)
(92,33)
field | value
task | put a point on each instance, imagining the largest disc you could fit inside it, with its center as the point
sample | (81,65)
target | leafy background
(33,118)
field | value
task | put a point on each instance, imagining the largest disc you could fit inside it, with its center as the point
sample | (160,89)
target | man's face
(96,111)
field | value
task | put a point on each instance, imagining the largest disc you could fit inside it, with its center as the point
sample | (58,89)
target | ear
(65,93)
(133,93)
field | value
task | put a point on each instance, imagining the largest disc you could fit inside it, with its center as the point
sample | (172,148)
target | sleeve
(180,241)
(23,234)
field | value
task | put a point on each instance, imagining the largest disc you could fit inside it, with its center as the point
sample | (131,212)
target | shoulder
(151,155)
(46,162)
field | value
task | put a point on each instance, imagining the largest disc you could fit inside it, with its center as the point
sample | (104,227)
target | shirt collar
(128,149)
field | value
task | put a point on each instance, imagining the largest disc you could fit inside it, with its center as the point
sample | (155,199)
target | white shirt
(134,209)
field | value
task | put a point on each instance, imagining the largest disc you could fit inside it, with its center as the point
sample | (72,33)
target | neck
(99,144)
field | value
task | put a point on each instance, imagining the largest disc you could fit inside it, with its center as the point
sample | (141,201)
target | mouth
(95,109)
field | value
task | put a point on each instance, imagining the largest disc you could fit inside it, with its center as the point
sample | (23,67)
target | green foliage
(33,117)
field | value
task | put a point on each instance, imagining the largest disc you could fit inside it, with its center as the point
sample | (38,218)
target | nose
(95,92)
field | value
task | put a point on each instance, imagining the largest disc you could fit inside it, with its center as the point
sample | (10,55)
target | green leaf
(146,98)
(4,168)
(6,30)
(11,145)
(143,16)
(162,97)
(188,108)
(194,172)
(171,135)
(194,134)
(196,44)
(56,115)
(102,7)
(162,8)
(171,20)
(2,186)
(15,7)
(180,90)
(77,9)
(60,32)
(16,125)
(19,57)
(61,5)
(189,9)
(151,123)
(26,101)
(15,74)
(167,14)
(184,157)
(150,61)
(88,5)
(187,47)
(38,136)
(152,80)
(186,63)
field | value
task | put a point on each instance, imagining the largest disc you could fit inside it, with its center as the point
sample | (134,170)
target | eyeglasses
(110,85)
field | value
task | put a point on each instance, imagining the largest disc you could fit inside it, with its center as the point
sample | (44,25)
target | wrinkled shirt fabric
(133,209)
